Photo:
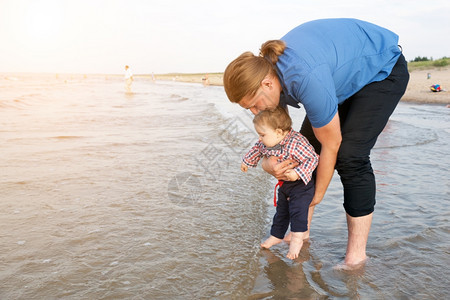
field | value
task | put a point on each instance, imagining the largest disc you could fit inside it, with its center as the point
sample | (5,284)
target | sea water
(109,195)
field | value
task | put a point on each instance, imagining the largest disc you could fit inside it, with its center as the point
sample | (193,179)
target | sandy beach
(418,88)
(213,78)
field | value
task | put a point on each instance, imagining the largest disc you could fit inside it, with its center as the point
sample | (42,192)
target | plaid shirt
(293,146)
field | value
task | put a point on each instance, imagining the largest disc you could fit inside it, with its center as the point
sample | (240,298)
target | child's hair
(274,118)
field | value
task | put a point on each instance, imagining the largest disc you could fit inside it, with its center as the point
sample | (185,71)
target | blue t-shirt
(327,61)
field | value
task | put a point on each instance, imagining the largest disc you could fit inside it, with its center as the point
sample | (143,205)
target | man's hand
(315,201)
(276,169)
(291,175)
(244,167)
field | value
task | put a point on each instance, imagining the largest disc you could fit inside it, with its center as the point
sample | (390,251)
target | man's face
(264,99)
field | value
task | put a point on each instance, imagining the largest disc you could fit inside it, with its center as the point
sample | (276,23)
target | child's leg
(296,244)
(308,190)
(280,222)
(300,198)
(288,236)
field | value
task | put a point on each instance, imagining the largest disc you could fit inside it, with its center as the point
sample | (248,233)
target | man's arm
(330,138)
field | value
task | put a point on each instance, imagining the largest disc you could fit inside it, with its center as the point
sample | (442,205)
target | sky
(189,36)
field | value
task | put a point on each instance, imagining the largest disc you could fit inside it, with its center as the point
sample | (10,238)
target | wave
(14,103)
(178,97)
(66,137)
(398,134)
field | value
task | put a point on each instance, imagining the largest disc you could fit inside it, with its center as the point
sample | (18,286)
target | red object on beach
(436,88)
(279,184)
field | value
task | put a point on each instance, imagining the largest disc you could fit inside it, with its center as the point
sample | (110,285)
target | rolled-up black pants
(363,117)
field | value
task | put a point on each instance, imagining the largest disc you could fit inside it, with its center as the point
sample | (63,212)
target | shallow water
(140,196)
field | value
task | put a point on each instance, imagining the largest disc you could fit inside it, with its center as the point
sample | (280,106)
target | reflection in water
(287,279)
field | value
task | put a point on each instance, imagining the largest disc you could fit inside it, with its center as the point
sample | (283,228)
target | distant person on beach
(205,79)
(349,75)
(278,139)
(128,79)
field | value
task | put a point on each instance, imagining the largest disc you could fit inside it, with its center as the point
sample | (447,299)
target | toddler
(277,138)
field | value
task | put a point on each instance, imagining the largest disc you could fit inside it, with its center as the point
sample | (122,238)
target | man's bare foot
(270,242)
(355,260)
(344,266)
(295,245)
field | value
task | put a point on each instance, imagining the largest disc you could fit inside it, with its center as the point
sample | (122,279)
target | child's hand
(244,167)
(291,175)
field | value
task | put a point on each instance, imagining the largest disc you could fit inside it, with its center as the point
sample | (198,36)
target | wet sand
(418,88)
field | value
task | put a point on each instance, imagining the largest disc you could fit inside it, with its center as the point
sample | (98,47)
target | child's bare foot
(306,235)
(270,242)
(295,245)
(288,237)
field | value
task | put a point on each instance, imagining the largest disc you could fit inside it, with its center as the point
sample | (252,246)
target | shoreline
(418,90)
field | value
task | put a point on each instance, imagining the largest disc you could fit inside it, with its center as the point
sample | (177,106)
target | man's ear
(267,82)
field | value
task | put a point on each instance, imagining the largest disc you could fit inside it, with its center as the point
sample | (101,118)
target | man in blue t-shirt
(349,75)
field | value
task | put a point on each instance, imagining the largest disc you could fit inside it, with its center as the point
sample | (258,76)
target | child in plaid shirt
(277,138)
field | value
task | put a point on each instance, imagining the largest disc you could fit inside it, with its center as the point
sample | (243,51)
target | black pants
(363,117)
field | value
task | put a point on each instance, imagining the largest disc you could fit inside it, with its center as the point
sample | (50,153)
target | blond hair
(276,118)
(244,75)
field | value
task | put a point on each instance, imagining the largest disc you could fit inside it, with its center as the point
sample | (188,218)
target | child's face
(269,136)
